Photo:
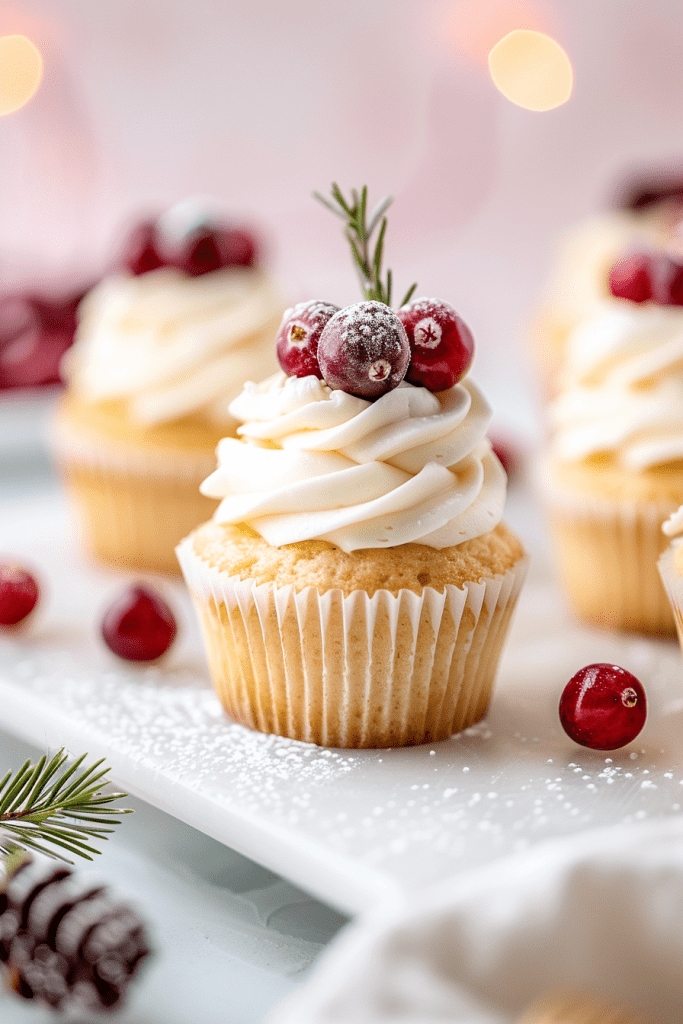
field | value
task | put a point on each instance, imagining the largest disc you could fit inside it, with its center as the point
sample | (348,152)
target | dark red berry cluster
(207,248)
(35,332)
(138,626)
(648,276)
(367,349)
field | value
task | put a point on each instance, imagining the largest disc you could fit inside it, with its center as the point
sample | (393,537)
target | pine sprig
(359,234)
(41,807)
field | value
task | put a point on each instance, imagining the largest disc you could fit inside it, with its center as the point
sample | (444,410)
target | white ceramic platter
(348,826)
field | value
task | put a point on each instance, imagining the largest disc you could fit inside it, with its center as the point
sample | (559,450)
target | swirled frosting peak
(622,390)
(312,463)
(172,345)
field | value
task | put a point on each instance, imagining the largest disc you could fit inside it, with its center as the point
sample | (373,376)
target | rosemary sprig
(359,232)
(42,807)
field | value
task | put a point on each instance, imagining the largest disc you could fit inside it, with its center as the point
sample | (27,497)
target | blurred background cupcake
(614,471)
(162,346)
(647,211)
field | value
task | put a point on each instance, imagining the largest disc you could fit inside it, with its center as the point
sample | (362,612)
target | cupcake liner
(673,584)
(134,505)
(607,553)
(351,671)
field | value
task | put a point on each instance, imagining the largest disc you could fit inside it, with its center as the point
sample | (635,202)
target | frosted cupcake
(161,349)
(356,582)
(670,567)
(579,281)
(614,472)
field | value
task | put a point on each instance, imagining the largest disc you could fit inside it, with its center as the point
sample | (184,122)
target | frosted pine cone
(65,941)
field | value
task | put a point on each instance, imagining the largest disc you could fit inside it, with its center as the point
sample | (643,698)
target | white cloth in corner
(600,912)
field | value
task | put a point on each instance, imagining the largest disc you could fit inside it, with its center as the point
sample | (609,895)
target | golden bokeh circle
(531,69)
(21,71)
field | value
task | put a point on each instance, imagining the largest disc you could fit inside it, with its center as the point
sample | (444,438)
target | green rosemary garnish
(359,233)
(41,806)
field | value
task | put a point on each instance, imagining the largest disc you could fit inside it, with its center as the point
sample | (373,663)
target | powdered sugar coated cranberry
(630,278)
(364,350)
(441,344)
(297,339)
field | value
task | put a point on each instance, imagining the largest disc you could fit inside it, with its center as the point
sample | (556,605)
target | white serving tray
(348,826)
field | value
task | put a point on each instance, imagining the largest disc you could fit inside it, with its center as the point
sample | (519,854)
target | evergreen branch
(44,806)
(359,235)
(409,294)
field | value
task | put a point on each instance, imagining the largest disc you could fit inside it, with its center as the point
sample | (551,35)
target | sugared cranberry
(364,350)
(18,594)
(142,251)
(297,340)
(630,278)
(441,344)
(139,626)
(603,707)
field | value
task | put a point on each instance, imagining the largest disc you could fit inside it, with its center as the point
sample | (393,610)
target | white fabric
(600,912)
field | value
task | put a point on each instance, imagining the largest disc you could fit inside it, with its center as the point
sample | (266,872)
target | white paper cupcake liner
(607,553)
(352,671)
(673,584)
(134,505)
(73,447)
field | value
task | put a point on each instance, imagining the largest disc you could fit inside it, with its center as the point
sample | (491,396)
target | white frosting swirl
(411,467)
(174,345)
(622,389)
(673,527)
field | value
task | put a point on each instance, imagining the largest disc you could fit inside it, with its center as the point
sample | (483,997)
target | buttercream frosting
(621,392)
(174,345)
(313,463)
(673,527)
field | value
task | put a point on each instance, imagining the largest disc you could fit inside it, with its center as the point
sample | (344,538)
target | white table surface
(230,937)
(352,826)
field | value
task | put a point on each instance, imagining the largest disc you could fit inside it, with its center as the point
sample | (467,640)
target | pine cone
(65,941)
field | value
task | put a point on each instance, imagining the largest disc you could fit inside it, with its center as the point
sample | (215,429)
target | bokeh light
(21,71)
(531,70)
(474,28)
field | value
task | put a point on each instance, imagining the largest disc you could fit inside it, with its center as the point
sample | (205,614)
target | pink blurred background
(145,102)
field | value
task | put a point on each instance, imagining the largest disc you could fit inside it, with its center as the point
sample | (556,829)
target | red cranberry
(667,280)
(142,249)
(630,278)
(18,594)
(508,455)
(603,707)
(238,247)
(30,352)
(201,253)
(441,344)
(364,350)
(139,625)
(297,339)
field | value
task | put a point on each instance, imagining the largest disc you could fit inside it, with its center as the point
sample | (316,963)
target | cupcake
(614,471)
(670,567)
(579,279)
(161,348)
(356,582)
